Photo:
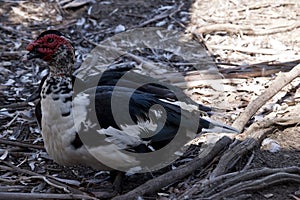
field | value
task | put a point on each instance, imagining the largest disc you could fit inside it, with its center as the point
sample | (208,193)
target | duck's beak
(33,52)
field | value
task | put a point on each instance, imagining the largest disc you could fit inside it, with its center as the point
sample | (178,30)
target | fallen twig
(262,5)
(10,188)
(242,29)
(13,53)
(14,168)
(13,30)
(30,196)
(229,28)
(248,50)
(21,144)
(44,178)
(159,17)
(16,106)
(55,183)
(11,121)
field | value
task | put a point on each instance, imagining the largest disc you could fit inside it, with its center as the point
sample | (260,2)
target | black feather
(55,32)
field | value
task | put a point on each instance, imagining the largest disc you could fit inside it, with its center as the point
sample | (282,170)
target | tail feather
(210,126)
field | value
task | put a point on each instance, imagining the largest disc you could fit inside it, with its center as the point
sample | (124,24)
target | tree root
(238,182)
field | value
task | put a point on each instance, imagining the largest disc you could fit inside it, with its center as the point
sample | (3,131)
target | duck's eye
(50,40)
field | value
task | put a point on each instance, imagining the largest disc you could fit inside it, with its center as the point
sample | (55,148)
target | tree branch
(277,84)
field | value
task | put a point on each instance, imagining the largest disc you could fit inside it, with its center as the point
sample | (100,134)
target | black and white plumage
(154,112)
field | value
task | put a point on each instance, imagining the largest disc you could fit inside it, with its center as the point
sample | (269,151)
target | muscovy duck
(105,125)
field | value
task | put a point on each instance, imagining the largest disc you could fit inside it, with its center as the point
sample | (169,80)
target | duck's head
(52,47)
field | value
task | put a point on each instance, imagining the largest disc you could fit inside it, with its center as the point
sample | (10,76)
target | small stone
(120,28)
(176,191)
(268,195)
(81,21)
(161,23)
(297,193)
(59,18)
(270,145)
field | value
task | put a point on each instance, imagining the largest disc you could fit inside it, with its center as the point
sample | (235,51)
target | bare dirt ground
(250,42)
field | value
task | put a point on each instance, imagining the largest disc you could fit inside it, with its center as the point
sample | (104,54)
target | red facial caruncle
(46,46)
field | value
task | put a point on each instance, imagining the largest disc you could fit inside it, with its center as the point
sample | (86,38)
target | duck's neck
(61,69)
(62,61)
(59,90)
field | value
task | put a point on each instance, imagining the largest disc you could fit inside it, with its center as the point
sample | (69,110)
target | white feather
(123,139)
(182,105)
(111,156)
(80,110)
